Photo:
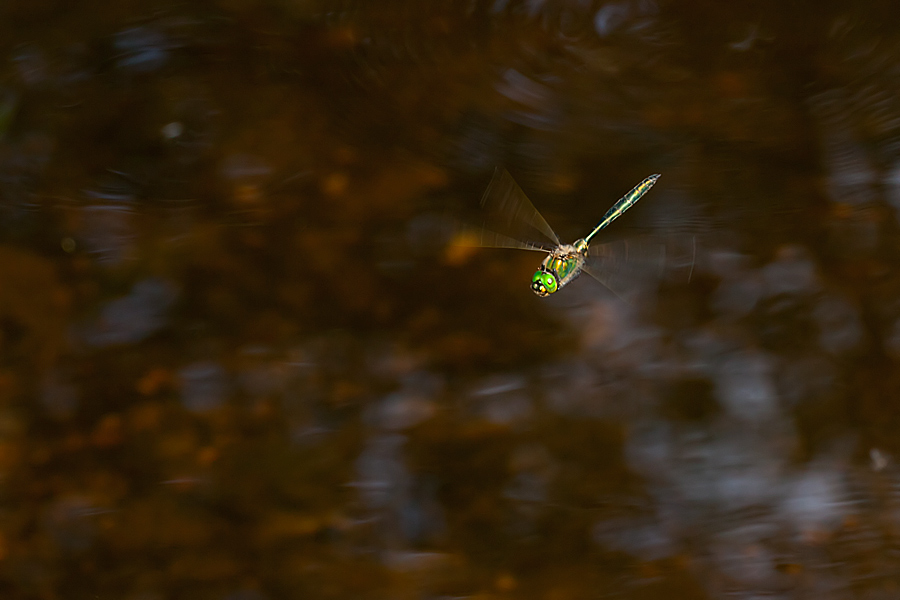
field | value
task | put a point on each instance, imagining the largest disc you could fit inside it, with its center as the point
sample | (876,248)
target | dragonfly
(523,227)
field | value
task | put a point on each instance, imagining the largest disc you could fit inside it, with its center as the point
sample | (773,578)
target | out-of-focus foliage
(240,358)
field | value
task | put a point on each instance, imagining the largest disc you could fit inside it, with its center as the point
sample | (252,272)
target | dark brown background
(239,360)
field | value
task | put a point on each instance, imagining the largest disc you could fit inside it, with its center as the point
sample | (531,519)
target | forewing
(508,210)
(484,238)
(625,266)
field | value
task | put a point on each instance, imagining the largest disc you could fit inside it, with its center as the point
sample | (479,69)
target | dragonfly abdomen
(624,203)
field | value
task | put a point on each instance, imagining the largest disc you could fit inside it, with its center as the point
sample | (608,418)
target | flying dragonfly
(511,212)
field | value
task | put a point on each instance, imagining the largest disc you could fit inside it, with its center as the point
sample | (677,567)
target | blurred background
(242,359)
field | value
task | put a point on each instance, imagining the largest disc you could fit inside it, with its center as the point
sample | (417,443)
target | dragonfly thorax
(560,267)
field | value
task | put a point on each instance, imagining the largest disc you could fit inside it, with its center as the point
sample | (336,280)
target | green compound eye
(537,284)
(549,282)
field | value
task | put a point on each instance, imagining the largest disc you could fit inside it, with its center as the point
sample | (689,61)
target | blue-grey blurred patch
(404,504)
(171,131)
(204,386)
(58,395)
(641,538)
(612,16)
(534,6)
(499,5)
(792,272)
(107,227)
(403,410)
(539,105)
(728,467)
(806,378)
(502,399)
(650,449)
(742,555)
(840,326)
(891,184)
(816,500)
(851,173)
(879,459)
(527,487)
(134,317)
(727,263)
(524,90)
(572,387)
(414,403)
(421,516)
(745,387)
(737,297)
(535,470)
(741,287)
(381,471)
(141,49)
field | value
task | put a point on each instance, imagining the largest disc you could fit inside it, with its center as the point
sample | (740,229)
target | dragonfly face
(544,282)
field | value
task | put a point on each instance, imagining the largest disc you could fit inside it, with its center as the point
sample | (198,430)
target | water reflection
(133,317)
(238,359)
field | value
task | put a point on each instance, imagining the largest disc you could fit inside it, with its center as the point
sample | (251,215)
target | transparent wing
(508,210)
(484,238)
(625,266)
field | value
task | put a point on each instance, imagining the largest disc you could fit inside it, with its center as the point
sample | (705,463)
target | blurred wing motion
(624,266)
(484,238)
(509,211)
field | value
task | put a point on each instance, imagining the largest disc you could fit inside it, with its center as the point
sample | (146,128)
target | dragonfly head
(544,283)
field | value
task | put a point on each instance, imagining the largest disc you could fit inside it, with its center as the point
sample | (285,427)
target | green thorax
(563,266)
